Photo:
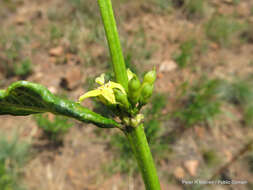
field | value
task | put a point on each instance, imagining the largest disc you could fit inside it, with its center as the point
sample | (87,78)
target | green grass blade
(25,98)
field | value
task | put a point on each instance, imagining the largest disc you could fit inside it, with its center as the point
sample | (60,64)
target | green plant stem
(136,136)
(113,42)
(138,141)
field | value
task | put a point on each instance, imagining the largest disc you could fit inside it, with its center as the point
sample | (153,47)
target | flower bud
(134,90)
(126,120)
(150,77)
(146,92)
(139,118)
(121,98)
(134,84)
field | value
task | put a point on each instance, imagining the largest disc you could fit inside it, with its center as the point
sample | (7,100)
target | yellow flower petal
(91,93)
(101,79)
(108,94)
(116,85)
(105,91)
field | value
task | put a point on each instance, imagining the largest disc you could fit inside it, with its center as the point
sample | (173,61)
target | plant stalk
(138,141)
(113,42)
(135,135)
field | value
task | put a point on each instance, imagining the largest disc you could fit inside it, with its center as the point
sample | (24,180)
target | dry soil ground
(64,40)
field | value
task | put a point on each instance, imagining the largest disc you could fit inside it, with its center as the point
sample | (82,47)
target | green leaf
(25,98)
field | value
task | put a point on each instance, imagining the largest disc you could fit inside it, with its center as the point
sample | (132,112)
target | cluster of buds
(141,92)
(114,95)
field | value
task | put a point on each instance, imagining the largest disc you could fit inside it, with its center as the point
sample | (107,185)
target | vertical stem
(136,136)
(137,139)
(113,42)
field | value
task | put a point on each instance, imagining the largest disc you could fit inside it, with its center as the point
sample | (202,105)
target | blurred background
(200,118)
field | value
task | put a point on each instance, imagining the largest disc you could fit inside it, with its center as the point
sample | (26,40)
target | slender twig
(240,153)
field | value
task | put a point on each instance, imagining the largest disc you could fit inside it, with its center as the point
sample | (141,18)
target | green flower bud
(121,98)
(137,120)
(134,86)
(150,77)
(146,92)
(126,120)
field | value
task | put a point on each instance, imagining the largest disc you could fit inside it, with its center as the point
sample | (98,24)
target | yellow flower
(104,91)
